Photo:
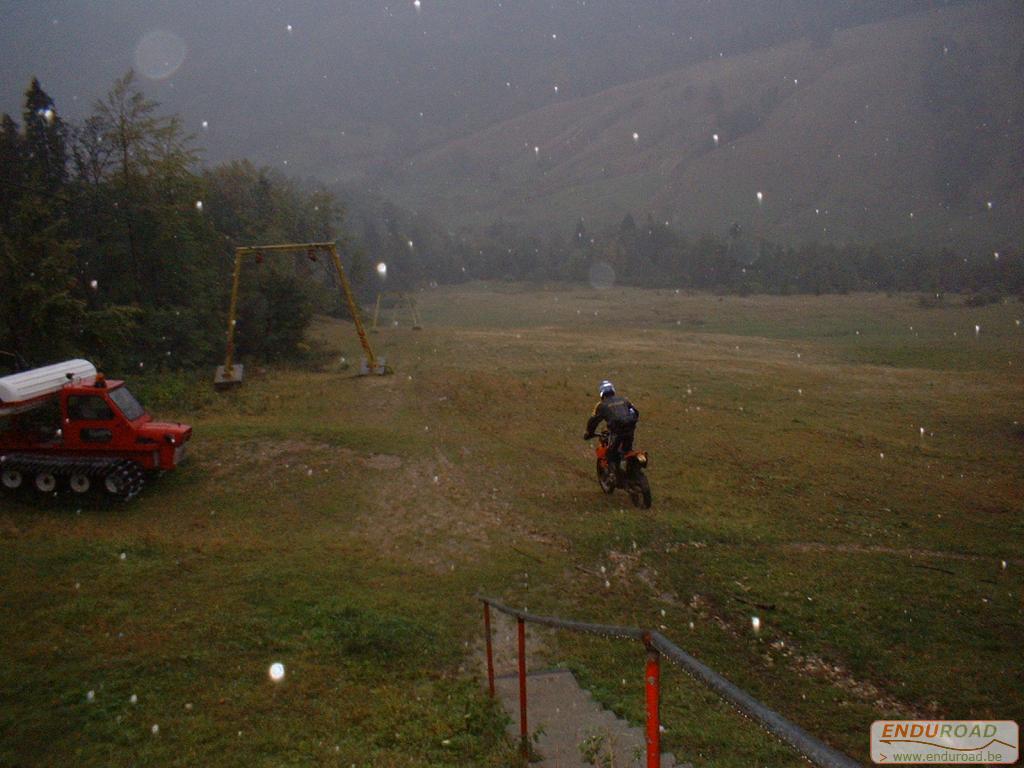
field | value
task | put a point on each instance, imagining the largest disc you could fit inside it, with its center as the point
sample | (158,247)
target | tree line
(654,254)
(116,245)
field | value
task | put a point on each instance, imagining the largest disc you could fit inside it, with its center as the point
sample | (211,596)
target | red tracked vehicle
(67,426)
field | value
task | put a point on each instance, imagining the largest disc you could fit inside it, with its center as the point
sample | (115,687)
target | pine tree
(12,170)
(45,140)
(40,311)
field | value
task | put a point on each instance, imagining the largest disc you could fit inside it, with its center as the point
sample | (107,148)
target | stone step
(569,724)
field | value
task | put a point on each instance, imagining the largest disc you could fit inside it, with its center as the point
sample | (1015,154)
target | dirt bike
(631,479)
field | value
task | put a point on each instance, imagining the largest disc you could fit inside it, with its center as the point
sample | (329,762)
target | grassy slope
(341,526)
(846,130)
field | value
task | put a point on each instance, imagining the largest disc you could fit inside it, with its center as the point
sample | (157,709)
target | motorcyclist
(621,417)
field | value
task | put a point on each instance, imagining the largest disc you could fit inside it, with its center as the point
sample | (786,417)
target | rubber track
(131,478)
(128,472)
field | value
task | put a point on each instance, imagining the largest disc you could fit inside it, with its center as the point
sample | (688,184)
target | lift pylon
(231,373)
(399,299)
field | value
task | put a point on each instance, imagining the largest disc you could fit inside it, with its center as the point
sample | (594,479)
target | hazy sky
(251,68)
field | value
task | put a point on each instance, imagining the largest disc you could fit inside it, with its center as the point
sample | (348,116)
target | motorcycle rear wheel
(640,491)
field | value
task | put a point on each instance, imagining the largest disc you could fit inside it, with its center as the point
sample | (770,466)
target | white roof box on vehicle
(21,391)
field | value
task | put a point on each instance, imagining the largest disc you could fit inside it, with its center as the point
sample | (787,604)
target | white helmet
(606,389)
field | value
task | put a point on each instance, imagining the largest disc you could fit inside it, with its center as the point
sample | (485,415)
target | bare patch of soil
(427,512)
(381,461)
(266,453)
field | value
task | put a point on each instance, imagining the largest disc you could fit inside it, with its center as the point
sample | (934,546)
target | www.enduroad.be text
(946,757)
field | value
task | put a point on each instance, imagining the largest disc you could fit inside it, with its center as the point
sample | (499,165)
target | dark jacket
(617,412)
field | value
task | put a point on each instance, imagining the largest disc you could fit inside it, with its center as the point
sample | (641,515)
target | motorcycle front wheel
(606,478)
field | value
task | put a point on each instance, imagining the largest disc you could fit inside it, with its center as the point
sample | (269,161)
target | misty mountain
(327,85)
(405,98)
(908,130)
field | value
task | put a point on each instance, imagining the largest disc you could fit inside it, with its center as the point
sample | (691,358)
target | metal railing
(812,748)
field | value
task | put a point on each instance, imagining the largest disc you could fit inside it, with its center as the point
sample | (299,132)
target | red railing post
(523,734)
(652,686)
(490,655)
(813,749)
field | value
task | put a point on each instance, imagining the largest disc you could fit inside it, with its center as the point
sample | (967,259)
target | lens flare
(159,54)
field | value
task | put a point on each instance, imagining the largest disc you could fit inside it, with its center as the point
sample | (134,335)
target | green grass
(342,527)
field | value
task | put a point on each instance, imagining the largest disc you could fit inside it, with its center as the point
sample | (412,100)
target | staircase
(571,726)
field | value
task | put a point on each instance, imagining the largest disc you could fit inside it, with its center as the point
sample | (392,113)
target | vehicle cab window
(126,401)
(88,408)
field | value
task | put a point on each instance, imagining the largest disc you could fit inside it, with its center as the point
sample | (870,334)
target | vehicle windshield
(126,402)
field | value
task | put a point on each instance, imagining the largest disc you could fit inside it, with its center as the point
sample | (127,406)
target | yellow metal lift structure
(400,298)
(230,374)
